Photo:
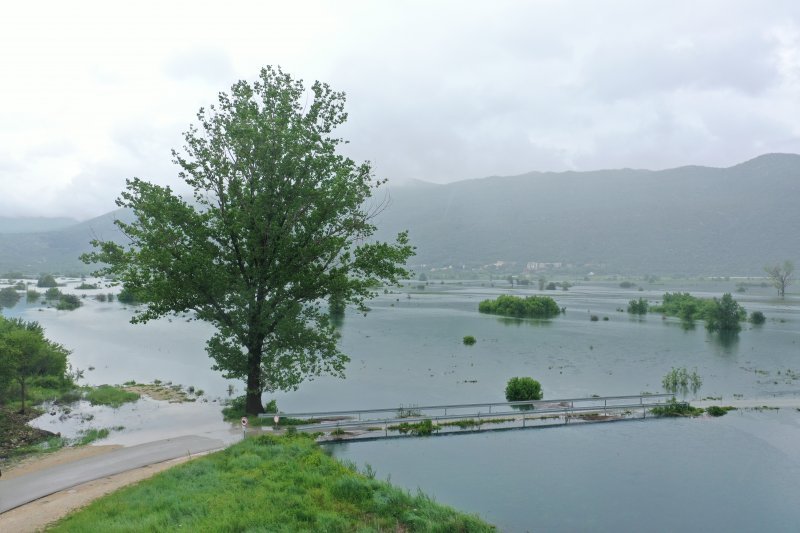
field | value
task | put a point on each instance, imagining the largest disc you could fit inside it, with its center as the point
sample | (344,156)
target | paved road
(23,489)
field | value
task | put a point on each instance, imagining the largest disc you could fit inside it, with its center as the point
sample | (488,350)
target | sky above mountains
(94,93)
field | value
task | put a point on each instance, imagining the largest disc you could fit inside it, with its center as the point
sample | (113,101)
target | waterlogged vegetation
(517,307)
(290,485)
(520,389)
(681,380)
(720,314)
(110,396)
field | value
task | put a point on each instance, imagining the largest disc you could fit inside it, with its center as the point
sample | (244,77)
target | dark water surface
(740,472)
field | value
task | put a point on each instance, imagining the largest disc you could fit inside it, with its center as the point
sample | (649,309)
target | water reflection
(726,342)
(511,321)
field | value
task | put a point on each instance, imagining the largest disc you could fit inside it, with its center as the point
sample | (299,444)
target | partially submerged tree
(780,276)
(279,224)
(25,353)
(724,315)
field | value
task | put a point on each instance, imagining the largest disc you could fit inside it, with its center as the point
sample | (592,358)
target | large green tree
(279,223)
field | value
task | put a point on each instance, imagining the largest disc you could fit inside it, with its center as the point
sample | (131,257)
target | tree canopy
(514,306)
(25,354)
(278,224)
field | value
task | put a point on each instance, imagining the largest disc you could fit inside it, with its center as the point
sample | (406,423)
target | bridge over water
(370,424)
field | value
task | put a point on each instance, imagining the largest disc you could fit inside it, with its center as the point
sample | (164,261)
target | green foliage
(627,284)
(469,340)
(32,296)
(290,484)
(721,315)
(110,396)
(127,296)
(514,306)
(9,297)
(724,315)
(638,307)
(679,379)
(52,294)
(271,406)
(674,408)
(68,302)
(46,280)
(86,286)
(278,223)
(716,410)
(520,389)
(757,317)
(100,297)
(594,318)
(90,435)
(423,428)
(27,354)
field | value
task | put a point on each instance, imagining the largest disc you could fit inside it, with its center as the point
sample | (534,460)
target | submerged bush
(757,317)
(528,307)
(469,340)
(520,389)
(638,307)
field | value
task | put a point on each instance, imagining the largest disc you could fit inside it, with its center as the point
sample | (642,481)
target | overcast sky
(96,92)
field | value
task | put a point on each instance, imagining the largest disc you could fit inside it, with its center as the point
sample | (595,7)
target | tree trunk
(22,388)
(253,405)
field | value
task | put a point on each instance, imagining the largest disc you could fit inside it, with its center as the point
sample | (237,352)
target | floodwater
(735,473)
(740,472)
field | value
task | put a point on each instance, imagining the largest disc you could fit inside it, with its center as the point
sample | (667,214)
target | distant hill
(689,220)
(32,224)
(57,250)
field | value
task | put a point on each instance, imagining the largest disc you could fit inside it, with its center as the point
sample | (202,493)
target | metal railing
(539,410)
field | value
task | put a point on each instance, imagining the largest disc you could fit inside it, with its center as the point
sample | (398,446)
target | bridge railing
(417,413)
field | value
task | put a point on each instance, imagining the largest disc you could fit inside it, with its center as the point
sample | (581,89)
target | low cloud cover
(436,91)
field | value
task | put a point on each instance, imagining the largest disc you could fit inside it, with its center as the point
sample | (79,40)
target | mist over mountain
(689,220)
(32,224)
(686,221)
(58,250)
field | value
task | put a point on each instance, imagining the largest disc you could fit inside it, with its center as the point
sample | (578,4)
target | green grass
(267,483)
(675,408)
(111,396)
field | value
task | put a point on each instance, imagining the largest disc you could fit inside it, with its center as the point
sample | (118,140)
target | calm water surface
(740,472)
(737,473)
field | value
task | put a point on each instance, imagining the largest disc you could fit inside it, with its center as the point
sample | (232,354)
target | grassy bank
(267,483)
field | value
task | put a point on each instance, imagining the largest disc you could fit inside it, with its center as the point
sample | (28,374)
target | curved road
(24,489)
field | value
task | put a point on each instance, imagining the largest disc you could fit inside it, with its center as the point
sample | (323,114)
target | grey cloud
(211,65)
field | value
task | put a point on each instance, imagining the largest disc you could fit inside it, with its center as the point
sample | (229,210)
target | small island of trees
(514,306)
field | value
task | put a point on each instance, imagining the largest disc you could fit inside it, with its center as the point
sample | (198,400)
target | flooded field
(408,350)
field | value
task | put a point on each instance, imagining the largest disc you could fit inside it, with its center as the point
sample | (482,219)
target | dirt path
(36,515)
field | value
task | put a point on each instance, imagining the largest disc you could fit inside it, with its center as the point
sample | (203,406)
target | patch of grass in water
(110,396)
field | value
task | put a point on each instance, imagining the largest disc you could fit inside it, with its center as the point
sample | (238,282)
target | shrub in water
(757,317)
(469,340)
(521,389)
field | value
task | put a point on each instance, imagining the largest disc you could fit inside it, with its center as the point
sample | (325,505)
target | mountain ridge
(689,220)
